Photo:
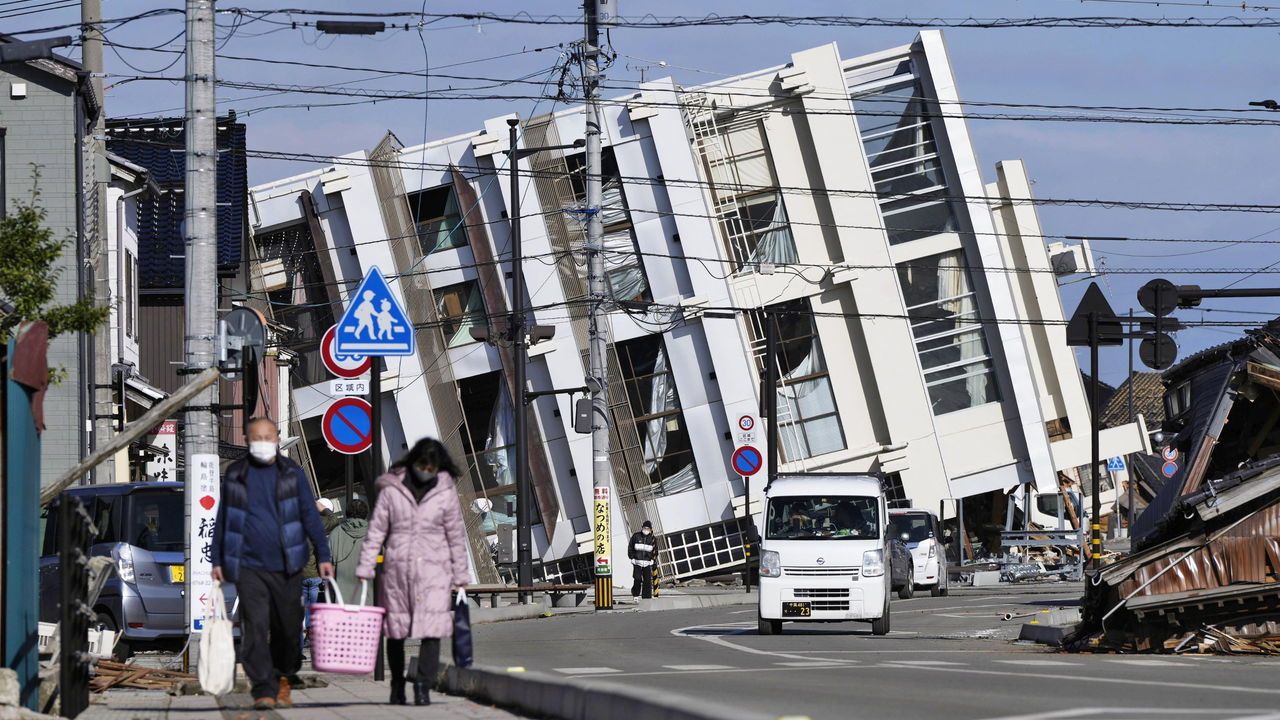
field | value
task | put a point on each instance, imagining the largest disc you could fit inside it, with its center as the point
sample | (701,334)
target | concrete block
(9,690)
(986,578)
(1045,634)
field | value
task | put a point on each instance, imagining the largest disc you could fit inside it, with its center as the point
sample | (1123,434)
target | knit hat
(646,524)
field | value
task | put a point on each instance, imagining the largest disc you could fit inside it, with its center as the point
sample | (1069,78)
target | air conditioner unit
(1067,259)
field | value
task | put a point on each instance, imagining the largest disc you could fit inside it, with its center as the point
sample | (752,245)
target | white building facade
(916,309)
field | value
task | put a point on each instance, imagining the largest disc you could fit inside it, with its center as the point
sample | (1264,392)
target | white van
(825,552)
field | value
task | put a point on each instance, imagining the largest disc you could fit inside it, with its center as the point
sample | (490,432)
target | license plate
(797,609)
(177,573)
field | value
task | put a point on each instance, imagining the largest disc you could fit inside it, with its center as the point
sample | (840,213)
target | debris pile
(1205,571)
(111,674)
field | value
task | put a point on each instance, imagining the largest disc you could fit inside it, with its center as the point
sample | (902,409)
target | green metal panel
(21,538)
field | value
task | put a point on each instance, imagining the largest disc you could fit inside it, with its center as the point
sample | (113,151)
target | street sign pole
(371,492)
(746,531)
(1095,525)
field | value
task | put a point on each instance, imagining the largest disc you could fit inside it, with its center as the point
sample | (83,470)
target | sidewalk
(346,698)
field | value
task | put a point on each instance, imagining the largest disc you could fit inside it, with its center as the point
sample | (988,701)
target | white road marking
(698,667)
(1110,711)
(1146,662)
(925,662)
(1181,685)
(814,663)
(1039,663)
(587,671)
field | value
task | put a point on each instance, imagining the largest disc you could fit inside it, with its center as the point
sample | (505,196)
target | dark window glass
(823,518)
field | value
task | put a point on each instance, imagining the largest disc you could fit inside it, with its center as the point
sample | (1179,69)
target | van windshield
(155,520)
(916,526)
(823,518)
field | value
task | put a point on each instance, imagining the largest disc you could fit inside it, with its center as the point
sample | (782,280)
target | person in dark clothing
(265,522)
(643,552)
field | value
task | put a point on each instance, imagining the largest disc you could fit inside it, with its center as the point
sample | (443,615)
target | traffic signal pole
(1095,522)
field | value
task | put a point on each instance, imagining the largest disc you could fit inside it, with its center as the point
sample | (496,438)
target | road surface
(949,657)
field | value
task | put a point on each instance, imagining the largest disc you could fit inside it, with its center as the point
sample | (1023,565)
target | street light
(349,27)
(518,332)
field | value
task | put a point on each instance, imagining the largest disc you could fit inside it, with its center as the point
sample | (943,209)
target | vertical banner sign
(205,494)
(165,437)
(603,533)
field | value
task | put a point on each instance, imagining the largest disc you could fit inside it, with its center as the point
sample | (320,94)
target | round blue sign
(1169,469)
(348,425)
(747,461)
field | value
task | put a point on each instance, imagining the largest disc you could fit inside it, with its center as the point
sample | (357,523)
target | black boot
(421,693)
(397,692)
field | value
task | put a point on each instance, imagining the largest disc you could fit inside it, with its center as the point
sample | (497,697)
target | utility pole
(98,251)
(524,494)
(598,381)
(200,442)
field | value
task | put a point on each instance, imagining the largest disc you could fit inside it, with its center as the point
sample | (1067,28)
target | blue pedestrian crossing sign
(374,323)
(1115,464)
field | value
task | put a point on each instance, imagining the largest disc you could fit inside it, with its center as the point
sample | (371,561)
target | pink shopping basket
(344,638)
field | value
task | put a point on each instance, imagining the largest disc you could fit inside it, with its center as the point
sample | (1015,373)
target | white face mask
(647,531)
(264,451)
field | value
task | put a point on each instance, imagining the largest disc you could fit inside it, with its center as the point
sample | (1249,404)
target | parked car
(901,567)
(920,531)
(141,527)
(826,555)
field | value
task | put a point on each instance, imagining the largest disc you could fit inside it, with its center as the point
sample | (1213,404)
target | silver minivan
(140,526)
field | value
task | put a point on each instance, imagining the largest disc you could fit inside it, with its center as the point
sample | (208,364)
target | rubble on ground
(1205,572)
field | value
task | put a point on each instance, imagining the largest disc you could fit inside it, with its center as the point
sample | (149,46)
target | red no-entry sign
(344,366)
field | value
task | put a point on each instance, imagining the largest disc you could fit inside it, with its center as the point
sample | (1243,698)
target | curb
(540,695)
(689,602)
(483,615)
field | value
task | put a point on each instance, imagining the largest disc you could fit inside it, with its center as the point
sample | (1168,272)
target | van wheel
(122,651)
(768,627)
(907,590)
(937,590)
(880,626)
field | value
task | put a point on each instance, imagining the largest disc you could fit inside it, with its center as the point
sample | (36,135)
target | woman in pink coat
(418,521)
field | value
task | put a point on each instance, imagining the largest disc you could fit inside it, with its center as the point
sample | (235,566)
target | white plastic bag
(217,664)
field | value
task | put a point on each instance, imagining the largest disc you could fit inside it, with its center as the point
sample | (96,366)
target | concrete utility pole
(598,381)
(200,444)
(95,223)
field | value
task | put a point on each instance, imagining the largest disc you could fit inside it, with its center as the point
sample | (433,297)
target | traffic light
(1161,297)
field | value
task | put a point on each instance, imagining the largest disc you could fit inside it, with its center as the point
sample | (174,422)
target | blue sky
(1131,67)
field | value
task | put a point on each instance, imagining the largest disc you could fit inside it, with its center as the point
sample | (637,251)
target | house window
(664,438)
(459,307)
(905,166)
(753,218)
(808,421)
(437,219)
(948,331)
(624,273)
(130,297)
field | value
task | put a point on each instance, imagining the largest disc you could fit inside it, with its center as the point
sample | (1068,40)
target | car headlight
(933,549)
(124,562)
(873,563)
(770,564)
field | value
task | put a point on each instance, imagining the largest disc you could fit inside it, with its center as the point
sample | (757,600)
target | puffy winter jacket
(296,508)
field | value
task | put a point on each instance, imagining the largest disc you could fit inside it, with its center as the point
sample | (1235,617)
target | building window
(905,166)
(301,300)
(489,444)
(436,217)
(808,421)
(460,308)
(130,297)
(948,331)
(753,218)
(623,270)
(655,404)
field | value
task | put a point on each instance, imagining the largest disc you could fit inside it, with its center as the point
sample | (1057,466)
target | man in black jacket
(266,520)
(643,552)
